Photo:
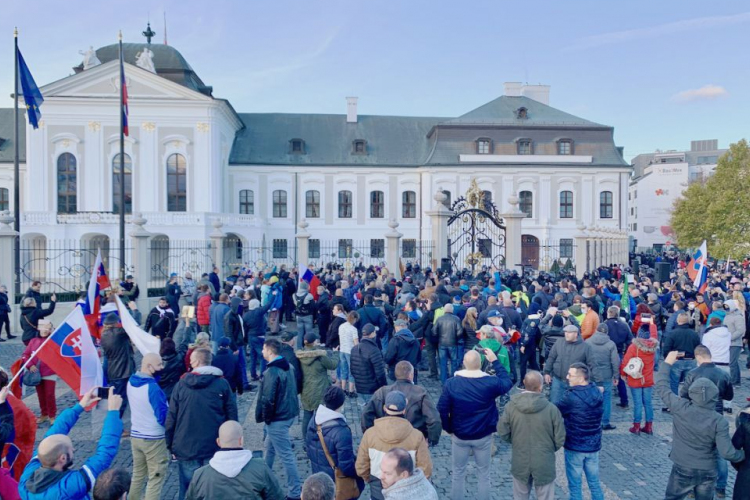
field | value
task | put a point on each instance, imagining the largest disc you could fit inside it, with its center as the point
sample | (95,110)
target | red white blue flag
(310,278)
(698,268)
(99,281)
(71,354)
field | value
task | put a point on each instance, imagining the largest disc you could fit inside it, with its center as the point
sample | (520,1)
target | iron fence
(422,252)
(347,253)
(258,255)
(557,255)
(178,256)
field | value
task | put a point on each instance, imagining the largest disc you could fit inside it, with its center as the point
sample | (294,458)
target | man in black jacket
(368,313)
(118,351)
(422,329)
(448,331)
(323,313)
(620,334)
(288,340)
(201,401)
(420,409)
(277,407)
(5,313)
(684,340)
(367,365)
(162,320)
(403,347)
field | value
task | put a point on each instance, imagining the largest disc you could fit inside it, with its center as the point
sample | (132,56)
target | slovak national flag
(71,354)
(311,278)
(698,268)
(99,281)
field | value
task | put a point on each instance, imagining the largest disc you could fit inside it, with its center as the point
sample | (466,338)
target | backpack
(634,368)
(300,307)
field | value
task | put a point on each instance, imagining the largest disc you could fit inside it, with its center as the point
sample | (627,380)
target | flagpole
(122,168)
(16,177)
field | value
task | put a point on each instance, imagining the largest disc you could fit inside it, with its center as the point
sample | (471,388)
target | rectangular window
(524,147)
(483,146)
(526,204)
(345,249)
(377,205)
(313,250)
(409,249)
(485,248)
(345,204)
(566,204)
(312,204)
(606,207)
(4,199)
(247,202)
(566,248)
(377,249)
(409,205)
(564,148)
(279,203)
(279,249)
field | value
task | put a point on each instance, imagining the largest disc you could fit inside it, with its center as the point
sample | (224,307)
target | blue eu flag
(31,95)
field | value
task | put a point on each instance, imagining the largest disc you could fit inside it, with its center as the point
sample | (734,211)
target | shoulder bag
(346,487)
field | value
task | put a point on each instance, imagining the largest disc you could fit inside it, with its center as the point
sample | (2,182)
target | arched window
(176,183)
(116,184)
(279,204)
(247,202)
(377,205)
(526,203)
(4,199)
(486,199)
(606,207)
(312,204)
(409,205)
(566,204)
(67,183)
(345,204)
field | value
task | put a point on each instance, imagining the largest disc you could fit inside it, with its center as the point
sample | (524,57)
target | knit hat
(225,342)
(311,337)
(731,304)
(334,397)
(253,305)
(644,332)
(111,319)
(557,321)
(395,403)
(534,308)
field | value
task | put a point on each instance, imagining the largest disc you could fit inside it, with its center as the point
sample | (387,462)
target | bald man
(148,409)
(468,412)
(49,474)
(234,472)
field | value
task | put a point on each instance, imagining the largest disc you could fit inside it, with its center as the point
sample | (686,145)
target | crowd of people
(536,360)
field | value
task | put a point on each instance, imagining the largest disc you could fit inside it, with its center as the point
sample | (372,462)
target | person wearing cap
(217,312)
(390,431)
(118,351)
(699,435)
(315,364)
(130,288)
(161,320)
(45,391)
(367,365)
(403,347)
(254,321)
(561,356)
(420,410)
(735,323)
(329,422)
(468,412)
(605,369)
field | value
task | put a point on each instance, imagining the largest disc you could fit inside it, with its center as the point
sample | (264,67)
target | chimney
(351,110)
(512,89)
(539,93)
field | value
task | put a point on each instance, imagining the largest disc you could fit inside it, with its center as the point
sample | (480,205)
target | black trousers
(527,360)
(5,320)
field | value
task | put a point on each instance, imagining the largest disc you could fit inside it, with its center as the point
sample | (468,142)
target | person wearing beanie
(330,423)
(315,364)
(118,351)
(551,326)
(605,368)
(562,355)
(641,387)
(229,364)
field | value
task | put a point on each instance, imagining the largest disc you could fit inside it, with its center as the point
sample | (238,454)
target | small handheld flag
(310,278)
(99,281)
(32,97)
(698,268)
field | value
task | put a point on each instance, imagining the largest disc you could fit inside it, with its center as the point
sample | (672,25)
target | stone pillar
(513,231)
(439,216)
(303,244)
(580,253)
(217,244)
(141,260)
(393,238)
(7,262)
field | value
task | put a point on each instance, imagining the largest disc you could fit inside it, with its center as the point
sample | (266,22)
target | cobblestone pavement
(634,467)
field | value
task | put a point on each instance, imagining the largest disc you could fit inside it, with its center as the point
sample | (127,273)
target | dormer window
(359,147)
(484,146)
(565,147)
(297,147)
(522,113)
(524,146)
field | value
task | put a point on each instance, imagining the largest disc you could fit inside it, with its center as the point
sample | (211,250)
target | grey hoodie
(735,323)
(699,434)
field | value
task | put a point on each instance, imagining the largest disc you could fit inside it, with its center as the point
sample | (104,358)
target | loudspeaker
(445,265)
(662,271)
(636,265)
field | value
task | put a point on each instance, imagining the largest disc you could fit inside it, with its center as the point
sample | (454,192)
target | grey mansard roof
(6,135)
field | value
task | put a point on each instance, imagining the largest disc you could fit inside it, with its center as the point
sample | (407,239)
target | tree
(718,210)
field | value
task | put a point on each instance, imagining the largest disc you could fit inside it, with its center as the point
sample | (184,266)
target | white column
(141,259)
(439,216)
(217,240)
(393,237)
(303,243)
(92,187)
(581,260)
(147,171)
(513,231)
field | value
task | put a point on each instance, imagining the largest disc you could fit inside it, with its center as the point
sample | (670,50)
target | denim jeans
(343,369)
(304,326)
(734,364)
(256,356)
(363,399)
(186,468)
(448,354)
(461,450)
(642,399)
(722,469)
(557,391)
(306,416)
(622,388)
(527,359)
(577,463)
(384,343)
(680,368)
(607,385)
(278,441)
(682,481)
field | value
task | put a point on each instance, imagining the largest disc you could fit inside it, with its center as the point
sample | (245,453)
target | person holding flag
(16,446)
(697,269)
(45,391)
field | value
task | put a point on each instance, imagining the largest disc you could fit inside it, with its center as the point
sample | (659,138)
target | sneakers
(721,493)
(624,406)
(665,409)
(609,427)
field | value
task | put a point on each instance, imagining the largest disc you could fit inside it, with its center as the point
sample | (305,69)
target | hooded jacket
(741,441)
(414,487)
(605,364)
(229,364)
(420,410)
(735,323)
(117,348)
(582,408)
(386,433)
(174,368)
(235,473)
(201,402)
(30,317)
(332,335)
(646,350)
(619,333)
(716,375)
(233,327)
(564,353)
(254,320)
(699,434)
(718,339)
(148,407)
(277,396)
(338,439)
(402,347)
(530,418)
(204,305)
(367,366)
(217,311)
(681,338)
(315,381)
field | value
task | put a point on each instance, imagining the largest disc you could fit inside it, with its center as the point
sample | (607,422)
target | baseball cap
(369,328)
(311,337)
(395,402)
(287,336)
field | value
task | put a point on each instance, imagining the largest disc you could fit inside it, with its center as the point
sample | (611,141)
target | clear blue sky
(661,72)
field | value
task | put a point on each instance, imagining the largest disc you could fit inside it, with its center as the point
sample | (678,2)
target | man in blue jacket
(49,475)
(582,408)
(468,412)
(217,312)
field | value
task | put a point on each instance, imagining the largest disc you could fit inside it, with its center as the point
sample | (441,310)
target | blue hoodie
(148,407)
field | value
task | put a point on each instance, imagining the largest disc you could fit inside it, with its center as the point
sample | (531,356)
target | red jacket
(204,303)
(34,344)
(646,350)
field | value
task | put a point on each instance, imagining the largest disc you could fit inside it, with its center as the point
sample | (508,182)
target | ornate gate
(476,232)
